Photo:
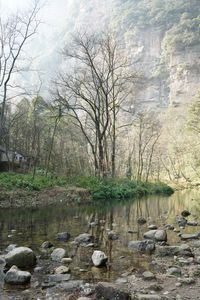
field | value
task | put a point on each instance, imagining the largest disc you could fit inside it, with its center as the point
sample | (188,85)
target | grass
(101,189)
(10,181)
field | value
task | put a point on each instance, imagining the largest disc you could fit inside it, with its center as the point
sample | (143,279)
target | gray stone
(2,261)
(150,234)
(22,257)
(66,260)
(198,259)
(169,227)
(58,254)
(173,250)
(38,269)
(158,235)
(141,220)
(182,222)
(11,247)
(192,223)
(195,244)
(46,245)
(17,277)
(148,297)
(84,238)
(147,275)
(63,236)
(152,227)
(83,298)
(174,271)
(161,235)
(112,235)
(189,236)
(106,290)
(142,246)
(99,258)
(62,270)
(122,280)
(59,277)
(70,285)
(186,280)
(185,213)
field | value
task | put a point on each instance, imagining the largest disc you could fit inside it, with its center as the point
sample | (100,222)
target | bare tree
(15,31)
(93,92)
(147,130)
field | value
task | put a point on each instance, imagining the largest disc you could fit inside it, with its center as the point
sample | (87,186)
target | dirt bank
(22,198)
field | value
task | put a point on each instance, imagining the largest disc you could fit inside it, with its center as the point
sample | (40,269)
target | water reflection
(34,226)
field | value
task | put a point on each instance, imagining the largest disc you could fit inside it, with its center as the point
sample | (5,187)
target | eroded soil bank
(32,199)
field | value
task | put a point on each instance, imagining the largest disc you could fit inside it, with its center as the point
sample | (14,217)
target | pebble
(148,275)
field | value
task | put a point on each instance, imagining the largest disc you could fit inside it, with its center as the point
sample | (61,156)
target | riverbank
(19,190)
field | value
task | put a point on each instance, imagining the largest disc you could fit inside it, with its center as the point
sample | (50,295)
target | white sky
(53,12)
(45,43)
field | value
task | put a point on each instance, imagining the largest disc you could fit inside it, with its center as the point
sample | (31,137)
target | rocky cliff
(162,38)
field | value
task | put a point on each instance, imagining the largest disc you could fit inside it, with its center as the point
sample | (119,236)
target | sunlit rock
(99,258)
(58,254)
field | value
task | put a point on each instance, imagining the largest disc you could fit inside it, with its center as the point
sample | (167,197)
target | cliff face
(162,38)
(171,81)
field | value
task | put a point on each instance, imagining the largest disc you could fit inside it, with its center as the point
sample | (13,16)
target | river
(31,227)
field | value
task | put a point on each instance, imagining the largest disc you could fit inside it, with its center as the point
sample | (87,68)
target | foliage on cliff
(179,20)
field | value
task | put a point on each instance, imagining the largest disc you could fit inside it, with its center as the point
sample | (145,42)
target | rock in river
(158,235)
(84,238)
(161,235)
(141,220)
(182,222)
(185,213)
(62,270)
(106,290)
(192,223)
(152,227)
(147,275)
(99,258)
(59,278)
(63,236)
(183,250)
(189,236)
(22,257)
(174,271)
(142,246)
(112,235)
(15,276)
(46,245)
(58,254)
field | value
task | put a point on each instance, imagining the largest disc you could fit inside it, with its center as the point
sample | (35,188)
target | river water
(31,227)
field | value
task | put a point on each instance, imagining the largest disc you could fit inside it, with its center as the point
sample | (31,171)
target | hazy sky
(46,44)
(53,12)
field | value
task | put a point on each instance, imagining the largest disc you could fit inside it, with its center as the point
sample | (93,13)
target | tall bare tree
(15,32)
(99,81)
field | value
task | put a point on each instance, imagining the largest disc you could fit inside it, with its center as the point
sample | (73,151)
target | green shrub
(101,189)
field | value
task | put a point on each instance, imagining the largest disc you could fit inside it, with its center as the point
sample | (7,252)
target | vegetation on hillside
(179,20)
